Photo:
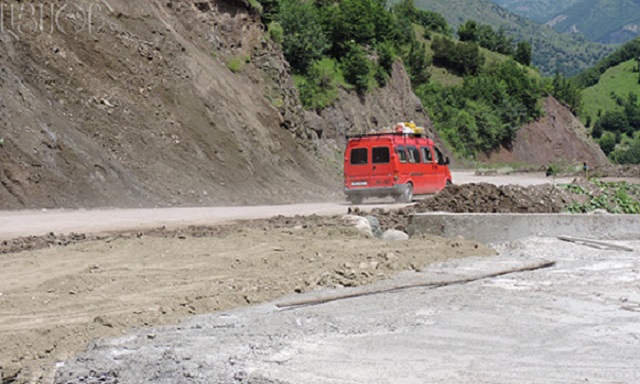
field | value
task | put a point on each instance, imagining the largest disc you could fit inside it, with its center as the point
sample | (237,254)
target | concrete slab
(496,227)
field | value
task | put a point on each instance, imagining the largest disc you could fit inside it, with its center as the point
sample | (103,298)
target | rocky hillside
(382,107)
(165,103)
(558,137)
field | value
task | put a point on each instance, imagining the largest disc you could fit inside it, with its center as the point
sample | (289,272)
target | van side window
(426,155)
(439,157)
(381,155)
(414,154)
(402,155)
(359,156)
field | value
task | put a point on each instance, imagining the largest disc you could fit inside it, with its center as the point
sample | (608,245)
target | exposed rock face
(379,108)
(558,137)
(145,110)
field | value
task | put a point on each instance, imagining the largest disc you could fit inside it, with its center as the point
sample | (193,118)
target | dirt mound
(488,198)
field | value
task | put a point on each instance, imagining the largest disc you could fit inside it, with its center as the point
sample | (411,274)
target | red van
(393,164)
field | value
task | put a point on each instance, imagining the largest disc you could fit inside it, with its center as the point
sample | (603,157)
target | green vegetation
(320,88)
(486,37)
(617,81)
(236,64)
(551,51)
(612,197)
(276,32)
(486,110)
(611,103)
(351,43)
(628,51)
(486,97)
(462,58)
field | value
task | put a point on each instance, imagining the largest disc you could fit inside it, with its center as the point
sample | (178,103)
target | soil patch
(54,301)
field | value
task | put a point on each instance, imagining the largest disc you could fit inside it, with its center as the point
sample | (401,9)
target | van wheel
(448,184)
(355,199)
(407,195)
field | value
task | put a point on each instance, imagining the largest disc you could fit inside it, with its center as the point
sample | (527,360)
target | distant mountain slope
(604,21)
(539,11)
(552,51)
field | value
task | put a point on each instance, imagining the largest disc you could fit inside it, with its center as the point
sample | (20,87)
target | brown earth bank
(557,137)
(143,110)
(54,301)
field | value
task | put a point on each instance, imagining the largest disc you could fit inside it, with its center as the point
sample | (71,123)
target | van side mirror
(446,161)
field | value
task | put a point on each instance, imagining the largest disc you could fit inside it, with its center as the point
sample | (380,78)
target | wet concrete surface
(578,321)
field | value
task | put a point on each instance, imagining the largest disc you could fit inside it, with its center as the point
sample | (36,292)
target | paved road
(33,223)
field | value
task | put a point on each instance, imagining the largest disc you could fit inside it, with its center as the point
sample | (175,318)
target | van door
(381,166)
(430,169)
(356,166)
(441,170)
(417,171)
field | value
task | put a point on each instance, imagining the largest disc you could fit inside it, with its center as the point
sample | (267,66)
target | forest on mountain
(603,21)
(553,51)
(353,44)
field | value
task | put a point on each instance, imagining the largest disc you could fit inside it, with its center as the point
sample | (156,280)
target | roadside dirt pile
(56,300)
(488,198)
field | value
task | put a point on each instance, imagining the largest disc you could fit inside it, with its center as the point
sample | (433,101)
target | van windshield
(359,156)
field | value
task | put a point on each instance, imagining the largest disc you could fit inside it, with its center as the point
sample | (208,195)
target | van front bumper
(396,190)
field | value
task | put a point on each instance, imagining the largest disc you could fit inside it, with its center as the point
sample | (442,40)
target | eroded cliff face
(144,110)
(382,107)
(557,137)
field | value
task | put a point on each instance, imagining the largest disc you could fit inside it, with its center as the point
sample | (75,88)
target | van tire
(407,195)
(355,199)
(448,184)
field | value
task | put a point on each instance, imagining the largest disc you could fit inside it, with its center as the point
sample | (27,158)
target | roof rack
(358,136)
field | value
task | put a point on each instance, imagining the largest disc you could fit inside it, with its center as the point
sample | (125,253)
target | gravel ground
(576,322)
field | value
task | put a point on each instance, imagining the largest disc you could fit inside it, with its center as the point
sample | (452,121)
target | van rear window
(359,156)
(381,155)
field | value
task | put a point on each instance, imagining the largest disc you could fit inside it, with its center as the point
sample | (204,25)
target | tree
(418,64)
(355,20)
(523,53)
(304,38)
(320,87)
(468,31)
(567,92)
(607,142)
(356,67)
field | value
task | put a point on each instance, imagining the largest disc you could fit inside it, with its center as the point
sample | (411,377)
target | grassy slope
(619,79)
(442,76)
(551,50)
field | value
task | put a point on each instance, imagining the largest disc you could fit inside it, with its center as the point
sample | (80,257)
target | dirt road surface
(37,223)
